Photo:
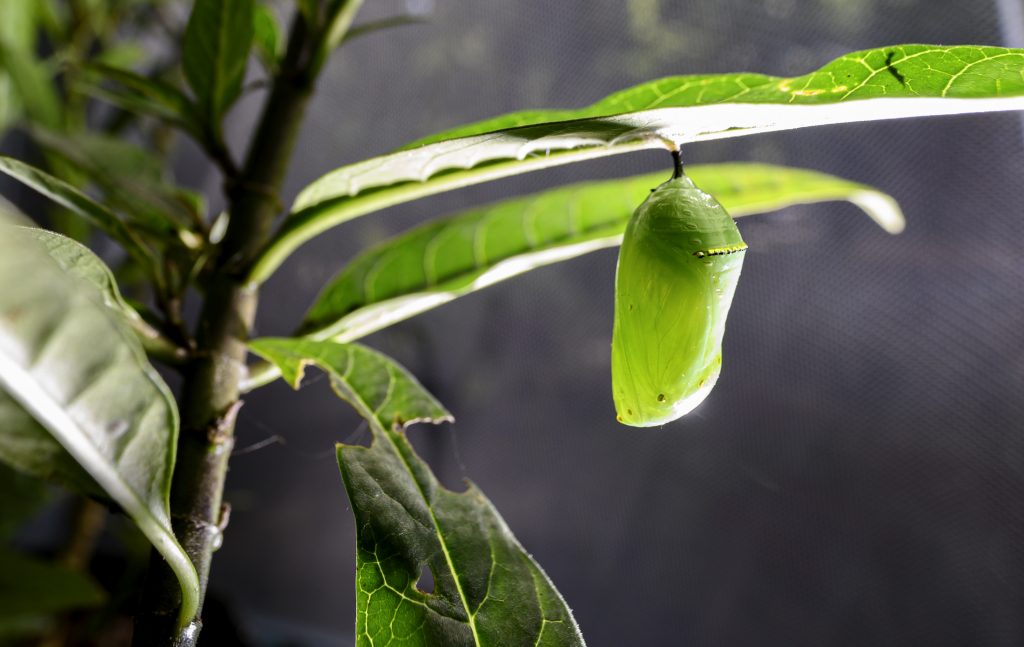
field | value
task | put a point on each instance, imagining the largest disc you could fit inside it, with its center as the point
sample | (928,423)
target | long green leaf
(131,177)
(450,257)
(884,83)
(340,14)
(18,34)
(487,589)
(214,55)
(71,198)
(144,95)
(67,358)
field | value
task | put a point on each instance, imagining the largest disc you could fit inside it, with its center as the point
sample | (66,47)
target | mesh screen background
(856,477)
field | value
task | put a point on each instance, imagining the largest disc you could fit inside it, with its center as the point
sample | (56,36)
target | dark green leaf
(928,80)
(130,177)
(310,10)
(487,589)
(71,198)
(215,52)
(21,496)
(67,357)
(30,588)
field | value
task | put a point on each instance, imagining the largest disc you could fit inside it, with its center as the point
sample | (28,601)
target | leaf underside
(883,83)
(106,420)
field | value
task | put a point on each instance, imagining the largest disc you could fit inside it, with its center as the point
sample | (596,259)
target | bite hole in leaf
(425,584)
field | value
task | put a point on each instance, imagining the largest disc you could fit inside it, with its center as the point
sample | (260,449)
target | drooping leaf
(487,590)
(884,83)
(267,36)
(68,359)
(447,258)
(215,52)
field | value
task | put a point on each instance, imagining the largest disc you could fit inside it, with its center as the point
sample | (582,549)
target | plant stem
(210,395)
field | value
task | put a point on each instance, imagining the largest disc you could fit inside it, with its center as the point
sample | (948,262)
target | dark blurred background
(856,477)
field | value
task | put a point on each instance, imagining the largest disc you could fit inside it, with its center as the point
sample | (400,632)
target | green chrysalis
(678,266)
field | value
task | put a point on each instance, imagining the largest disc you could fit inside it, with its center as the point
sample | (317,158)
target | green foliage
(487,589)
(449,257)
(32,83)
(106,420)
(665,113)
(214,54)
(81,403)
(267,36)
(144,95)
(77,202)
(896,72)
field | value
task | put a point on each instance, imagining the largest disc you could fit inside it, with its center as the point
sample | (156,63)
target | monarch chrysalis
(678,266)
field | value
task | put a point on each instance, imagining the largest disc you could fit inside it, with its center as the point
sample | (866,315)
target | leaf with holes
(487,590)
(352,366)
(106,419)
(884,83)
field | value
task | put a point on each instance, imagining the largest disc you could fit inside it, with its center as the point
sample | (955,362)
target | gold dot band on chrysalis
(721,251)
